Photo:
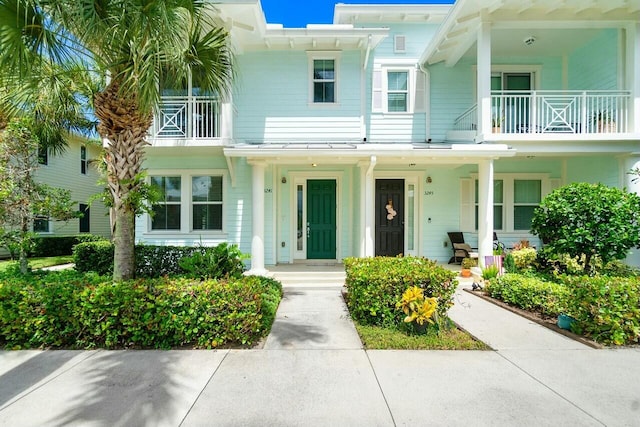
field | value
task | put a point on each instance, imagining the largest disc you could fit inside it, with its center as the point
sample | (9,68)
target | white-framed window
(42,224)
(324,73)
(398,89)
(190,201)
(514,200)
(206,200)
(166,211)
(83,160)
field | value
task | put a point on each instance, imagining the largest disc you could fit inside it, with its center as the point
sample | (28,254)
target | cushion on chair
(463,246)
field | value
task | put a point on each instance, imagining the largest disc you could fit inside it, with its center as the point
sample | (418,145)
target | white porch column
(633,258)
(226,121)
(369,209)
(257,217)
(633,74)
(484,78)
(485,210)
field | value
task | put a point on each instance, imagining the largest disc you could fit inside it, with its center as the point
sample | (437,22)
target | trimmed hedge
(72,310)
(375,285)
(158,261)
(46,246)
(529,293)
(606,309)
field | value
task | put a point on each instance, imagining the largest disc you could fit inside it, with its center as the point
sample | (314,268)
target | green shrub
(157,261)
(586,220)
(46,246)
(212,263)
(375,285)
(94,256)
(523,258)
(72,310)
(606,309)
(509,264)
(529,293)
(490,272)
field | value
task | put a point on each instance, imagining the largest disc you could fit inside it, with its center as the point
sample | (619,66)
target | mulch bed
(547,322)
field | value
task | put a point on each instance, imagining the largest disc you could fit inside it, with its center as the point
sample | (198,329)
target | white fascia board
(470,151)
(447,26)
(389,12)
(328,32)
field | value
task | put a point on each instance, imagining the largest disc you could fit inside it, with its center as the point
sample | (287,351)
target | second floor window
(397,91)
(83,160)
(324,81)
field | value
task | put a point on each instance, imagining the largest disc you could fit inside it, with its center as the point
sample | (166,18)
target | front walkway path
(325,378)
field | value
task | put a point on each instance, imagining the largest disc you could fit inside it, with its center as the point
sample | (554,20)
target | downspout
(427,101)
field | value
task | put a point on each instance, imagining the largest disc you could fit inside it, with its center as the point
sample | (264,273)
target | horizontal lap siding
(594,65)
(272,100)
(63,171)
(390,128)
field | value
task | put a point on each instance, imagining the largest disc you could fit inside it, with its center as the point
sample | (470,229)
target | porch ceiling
(559,26)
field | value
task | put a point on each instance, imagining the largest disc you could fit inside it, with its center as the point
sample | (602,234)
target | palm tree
(135,44)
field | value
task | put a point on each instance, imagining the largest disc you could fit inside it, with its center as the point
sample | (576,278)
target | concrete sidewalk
(320,375)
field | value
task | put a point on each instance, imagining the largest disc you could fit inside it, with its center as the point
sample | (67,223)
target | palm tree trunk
(125,128)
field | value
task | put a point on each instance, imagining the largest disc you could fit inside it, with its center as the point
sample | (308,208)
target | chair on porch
(461,250)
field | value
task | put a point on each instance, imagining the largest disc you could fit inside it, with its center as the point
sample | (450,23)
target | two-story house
(381,132)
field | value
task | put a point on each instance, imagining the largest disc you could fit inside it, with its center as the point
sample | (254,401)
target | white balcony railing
(553,112)
(184,117)
(563,112)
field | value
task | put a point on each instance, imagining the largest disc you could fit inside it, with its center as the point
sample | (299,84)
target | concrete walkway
(312,372)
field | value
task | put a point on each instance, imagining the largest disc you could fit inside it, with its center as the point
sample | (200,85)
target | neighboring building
(380,133)
(73,171)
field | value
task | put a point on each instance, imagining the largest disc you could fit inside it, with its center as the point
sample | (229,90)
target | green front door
(321,219)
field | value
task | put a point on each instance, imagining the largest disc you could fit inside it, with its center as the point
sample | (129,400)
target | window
(498,204)
(43,156)
(206,196)
(166,212)
(324,81)
(526,198)
(85,220)
(41,225)
(515,198)
(397,91)
(83,160)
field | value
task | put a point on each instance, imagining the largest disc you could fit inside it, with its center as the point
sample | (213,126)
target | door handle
(308,230)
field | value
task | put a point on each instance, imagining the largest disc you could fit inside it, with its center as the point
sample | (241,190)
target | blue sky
(297,13)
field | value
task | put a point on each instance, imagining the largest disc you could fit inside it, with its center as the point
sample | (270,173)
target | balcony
(603,114)
(187,118)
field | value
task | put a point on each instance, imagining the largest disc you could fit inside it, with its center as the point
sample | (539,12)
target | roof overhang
(458,32)
(344,153)
(388,13)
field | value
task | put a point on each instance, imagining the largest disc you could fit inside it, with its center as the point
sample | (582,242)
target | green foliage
(72,310)
(509,264)
(223,260)
(469,262)
(46,246)
(606,309)
(523,258)
(529,293)
(200,262)
(94,256)
(374,286)
(490,272)
(586,220)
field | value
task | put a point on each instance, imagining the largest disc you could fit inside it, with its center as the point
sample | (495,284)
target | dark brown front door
(389,217)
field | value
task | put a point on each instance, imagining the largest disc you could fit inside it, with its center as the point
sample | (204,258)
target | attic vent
(399,44)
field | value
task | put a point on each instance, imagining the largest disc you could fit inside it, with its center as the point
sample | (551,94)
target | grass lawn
(377,338)
(36,263)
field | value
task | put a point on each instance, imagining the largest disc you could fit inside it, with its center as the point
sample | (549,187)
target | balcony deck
(186,118)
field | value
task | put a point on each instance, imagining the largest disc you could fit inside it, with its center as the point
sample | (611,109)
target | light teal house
(379,133)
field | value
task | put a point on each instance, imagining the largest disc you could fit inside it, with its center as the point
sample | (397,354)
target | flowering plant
(416,306)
